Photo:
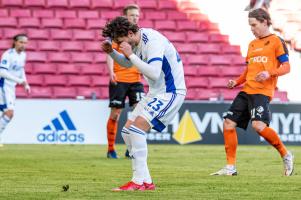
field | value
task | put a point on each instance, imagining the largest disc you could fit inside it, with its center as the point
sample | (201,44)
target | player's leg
(236,116)
(117,94)
(135,93)
(7,103)
(260,115)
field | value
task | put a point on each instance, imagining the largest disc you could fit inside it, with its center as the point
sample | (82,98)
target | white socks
(139,155)
(4,120)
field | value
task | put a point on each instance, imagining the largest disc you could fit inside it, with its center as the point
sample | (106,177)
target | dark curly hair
(119,27)
(260,15)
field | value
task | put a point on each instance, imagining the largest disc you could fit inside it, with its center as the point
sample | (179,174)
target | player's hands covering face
(126,49)
(106,46)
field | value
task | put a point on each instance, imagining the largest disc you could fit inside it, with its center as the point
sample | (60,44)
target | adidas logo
(61,130)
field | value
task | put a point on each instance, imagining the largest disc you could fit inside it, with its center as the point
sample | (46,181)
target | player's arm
(282,70)
(25,83)
(117,57)
(110,65)
(152,68)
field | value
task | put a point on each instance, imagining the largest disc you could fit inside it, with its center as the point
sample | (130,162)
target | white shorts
(158,110)
(7,98)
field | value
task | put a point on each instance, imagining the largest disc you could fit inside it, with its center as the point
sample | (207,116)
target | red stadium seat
(38,33)
(57,3)
(95,23)
(191,71)
(5,44)
(187,25)
(79,3)
(64,92)
(59,57)
(219,38)
(104,93)
(218,82)
(20,13)
(3,12)
(232,71)
(29,22)
(65,14)
(146,23)
(41,92)
(94,69)
(238,60)
(197,82)
(165,25)
(147,4)
(9,33)
(52,23)
(43,13)
(49,46)
(100,58)
(29,68)
(61,34)
(176,15)
(207,94)
(36,56)
(17,3)
(72,46)
(8,22)
(198,59)
(209,71)
(231,49)
(209,48)
(35,80)
(229,94)
(191,94)
(100,81)
(109,14)
(101,4)
(52,80)
(79,80)
(154,15)
(175,36)
(280,95)
(167,5)
(92,46)
(84,35)
(186,48)
(75,23)
(47,68)
(68,69)
(32,45)
(88,92)
(123,3)
(82,57)
(197,37)
(35,3)
(220,60)
(88,14)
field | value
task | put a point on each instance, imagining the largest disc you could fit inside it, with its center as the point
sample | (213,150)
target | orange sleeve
(283,69)
(242,78)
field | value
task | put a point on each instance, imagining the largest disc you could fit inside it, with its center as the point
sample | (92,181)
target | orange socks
(271,137)
(230,138)
(112,126)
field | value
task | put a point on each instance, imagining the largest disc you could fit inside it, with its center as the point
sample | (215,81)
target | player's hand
(26,87)
(106,46)
(262,76)
(231,84)
(113,78)
(126,49)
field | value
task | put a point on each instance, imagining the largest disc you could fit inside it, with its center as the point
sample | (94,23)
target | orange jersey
(264,54)
(123,74)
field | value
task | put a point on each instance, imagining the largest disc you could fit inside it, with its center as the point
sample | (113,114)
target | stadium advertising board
(58,122)
(201,123)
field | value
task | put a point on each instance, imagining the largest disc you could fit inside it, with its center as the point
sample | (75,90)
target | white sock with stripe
(139,154)
(127,140)
(4,120)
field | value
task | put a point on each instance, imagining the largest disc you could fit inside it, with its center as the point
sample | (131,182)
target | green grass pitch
(180,172)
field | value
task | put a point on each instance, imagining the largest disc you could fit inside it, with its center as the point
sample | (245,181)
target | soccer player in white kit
(12,73)
(159,62)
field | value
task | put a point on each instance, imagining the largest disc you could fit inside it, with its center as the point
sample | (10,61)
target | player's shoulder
(9,52)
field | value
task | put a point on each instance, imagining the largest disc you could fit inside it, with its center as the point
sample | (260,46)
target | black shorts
(246,107)
(118,93)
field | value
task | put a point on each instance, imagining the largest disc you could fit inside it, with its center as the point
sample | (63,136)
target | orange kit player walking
(266,60)
(124,82)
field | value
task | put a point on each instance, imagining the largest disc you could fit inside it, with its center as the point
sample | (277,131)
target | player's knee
(258,126)
(115,114)
(9,113)
(229,124)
